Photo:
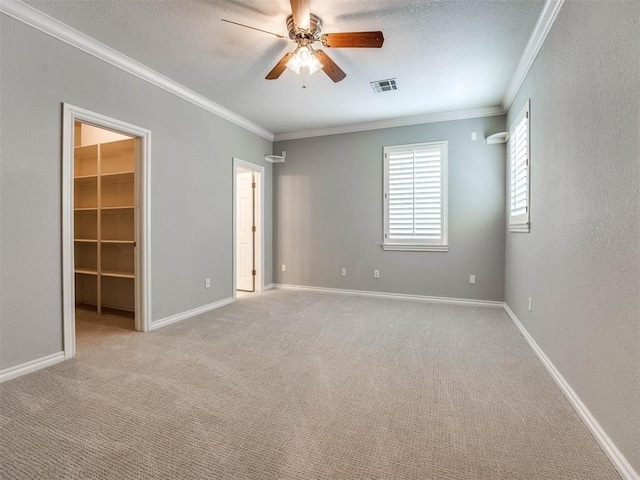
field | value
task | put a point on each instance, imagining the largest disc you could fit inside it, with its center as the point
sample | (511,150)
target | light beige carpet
(298,385)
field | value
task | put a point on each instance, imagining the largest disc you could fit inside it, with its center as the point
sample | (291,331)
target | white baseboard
(268,287)
(32,366)
(402,296)
(190,313)
(617,458)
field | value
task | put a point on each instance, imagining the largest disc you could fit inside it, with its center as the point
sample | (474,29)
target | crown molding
(393,122)
(36,19)
(40,21)
(538,36)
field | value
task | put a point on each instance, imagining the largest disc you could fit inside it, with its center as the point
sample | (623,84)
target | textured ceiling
(446,55)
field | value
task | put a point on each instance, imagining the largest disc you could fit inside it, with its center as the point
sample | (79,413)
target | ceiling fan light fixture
(313,64)
(304,56)
(294,64)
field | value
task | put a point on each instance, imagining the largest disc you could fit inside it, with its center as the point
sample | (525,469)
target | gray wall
(191,184)
(328,213)
(581,261)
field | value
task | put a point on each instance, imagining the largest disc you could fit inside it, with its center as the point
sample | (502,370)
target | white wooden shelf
(118,177)
(85,271)
(115,174)
(116,274)
(496,138)
(104,205)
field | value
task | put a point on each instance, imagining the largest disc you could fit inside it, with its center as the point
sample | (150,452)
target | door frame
(259,246)
(71,114)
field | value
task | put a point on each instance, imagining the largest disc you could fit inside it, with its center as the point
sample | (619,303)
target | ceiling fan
(305,29)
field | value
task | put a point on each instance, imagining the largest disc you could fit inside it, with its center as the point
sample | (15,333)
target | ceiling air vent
(388,85)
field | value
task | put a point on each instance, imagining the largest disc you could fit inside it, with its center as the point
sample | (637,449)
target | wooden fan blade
(353,40)
(280,67)
(329,67)
(301,14)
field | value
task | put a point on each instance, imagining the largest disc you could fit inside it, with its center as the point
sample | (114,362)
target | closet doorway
(104,212)
(248,207)
(105,216)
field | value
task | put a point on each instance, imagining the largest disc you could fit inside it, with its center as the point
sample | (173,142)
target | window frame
(418,244)
(520,222)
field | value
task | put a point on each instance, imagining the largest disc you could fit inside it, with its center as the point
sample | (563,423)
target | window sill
(414,248)
(520,227)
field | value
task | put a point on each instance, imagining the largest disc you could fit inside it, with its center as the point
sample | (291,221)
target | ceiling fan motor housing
(312,34)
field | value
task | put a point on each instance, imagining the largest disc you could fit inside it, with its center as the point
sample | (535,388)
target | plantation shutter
(519,171)
(415,193)
(519,164)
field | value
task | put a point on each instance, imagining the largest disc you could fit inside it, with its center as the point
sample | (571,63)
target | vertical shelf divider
(99,220)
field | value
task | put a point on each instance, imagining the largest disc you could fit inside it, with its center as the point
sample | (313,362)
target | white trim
(190,313)
(68,276)
(413,243)
(57,29)
(32,366)
(414,248)
(520,227)
(393,122)
(271,286)
(538,36)
(617,458)
(143,227)
(259,286)
(400,296)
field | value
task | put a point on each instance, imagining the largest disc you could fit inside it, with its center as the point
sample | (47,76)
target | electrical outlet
(207,283)
(376,274)
(284,267)
(474,136)
(530,304)
(344,272)
(472,279)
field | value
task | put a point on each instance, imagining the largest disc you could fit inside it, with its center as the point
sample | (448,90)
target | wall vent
(388,85)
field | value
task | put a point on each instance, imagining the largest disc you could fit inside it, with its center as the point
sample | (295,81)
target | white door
(245,234)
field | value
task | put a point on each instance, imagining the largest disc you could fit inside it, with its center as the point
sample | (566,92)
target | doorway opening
(248,229)
(104,243)
(105,214)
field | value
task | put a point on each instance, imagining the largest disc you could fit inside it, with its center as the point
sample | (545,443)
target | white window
(415,197)
(519,173)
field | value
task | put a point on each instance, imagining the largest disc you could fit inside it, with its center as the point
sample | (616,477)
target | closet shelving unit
(104,224)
